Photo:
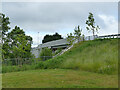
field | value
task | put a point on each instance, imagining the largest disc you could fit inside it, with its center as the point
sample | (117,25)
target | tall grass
(99,56)
(95,56)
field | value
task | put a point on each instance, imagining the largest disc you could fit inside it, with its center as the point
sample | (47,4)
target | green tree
(4,27)
(53,37)
(45,54)
(22,48)
(15,44)
(77,33)
(83,36)
(70,38)
(19,44)
(91,24)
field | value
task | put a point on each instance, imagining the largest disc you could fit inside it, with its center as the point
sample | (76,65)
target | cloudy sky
(61,17)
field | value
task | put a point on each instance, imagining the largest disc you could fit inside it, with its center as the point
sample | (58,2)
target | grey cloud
(55,16)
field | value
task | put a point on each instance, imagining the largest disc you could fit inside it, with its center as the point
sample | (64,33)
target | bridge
(64,44)
(61,43)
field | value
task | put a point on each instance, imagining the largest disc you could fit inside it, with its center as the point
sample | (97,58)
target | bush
(57,51)
(46,54)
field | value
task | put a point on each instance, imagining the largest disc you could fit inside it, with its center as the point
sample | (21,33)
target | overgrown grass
(99,56)
(17,68)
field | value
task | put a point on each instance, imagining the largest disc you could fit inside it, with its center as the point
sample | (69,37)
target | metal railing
(29,61)
(87,38)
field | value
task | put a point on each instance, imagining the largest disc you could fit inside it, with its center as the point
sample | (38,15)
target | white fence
(87,38)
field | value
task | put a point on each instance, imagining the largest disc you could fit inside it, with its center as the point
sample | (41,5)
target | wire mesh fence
(22,61)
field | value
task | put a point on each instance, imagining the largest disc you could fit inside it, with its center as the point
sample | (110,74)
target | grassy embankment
(74,69)
(99,56)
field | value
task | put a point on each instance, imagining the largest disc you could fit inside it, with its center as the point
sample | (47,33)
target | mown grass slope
(58,78)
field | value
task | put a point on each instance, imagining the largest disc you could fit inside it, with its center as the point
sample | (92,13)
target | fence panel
(23,61)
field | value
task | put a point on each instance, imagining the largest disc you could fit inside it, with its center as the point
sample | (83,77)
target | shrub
(46,54)
(57,51)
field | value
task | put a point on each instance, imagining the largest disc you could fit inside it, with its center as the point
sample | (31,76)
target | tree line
(15,43)
(53,37)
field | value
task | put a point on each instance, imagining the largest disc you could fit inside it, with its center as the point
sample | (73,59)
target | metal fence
(23,61)
(110,36)
(87,38)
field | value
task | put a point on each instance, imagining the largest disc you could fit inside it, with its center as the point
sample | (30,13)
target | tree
(53,37)
(70,38)
(19,44)
(22,48)
(46,54)
(4,26)
(77,33)
(83,36)
(91,24)
(4,22)
(15,44)
(0,36)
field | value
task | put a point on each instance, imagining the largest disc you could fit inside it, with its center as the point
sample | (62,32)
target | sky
(61,17)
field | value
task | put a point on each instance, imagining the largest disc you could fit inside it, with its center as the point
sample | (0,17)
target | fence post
(89,37)
(7,62)
(34,61)
(18,62)
(44,58)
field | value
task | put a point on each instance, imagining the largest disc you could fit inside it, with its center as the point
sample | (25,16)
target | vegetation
(4,27)
(58,78)
(53,37)
(87,64)
(92,56)
(70,38)
(46,54)
(77,33)
(91,24)
(57,51)
(15,43)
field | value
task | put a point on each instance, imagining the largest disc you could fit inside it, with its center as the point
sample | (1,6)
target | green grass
(58,78)
(89,64)
(100,56)
(0,81)
(94,56)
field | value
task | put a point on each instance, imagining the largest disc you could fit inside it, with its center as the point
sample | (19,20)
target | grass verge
(58,78)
